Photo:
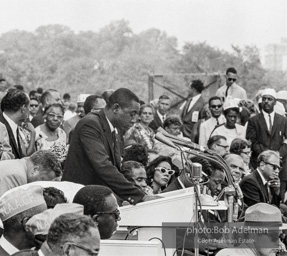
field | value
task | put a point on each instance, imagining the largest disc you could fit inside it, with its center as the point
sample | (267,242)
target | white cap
(230,104)
(82,98)
(279,108)
(282,95)
(270,92)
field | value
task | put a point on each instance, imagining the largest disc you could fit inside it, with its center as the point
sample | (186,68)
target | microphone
(196,171)
(182,142)
(160,137)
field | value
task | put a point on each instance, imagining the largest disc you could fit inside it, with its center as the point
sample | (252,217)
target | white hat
(282,95)
(230,104)
(82,98)
(270,92)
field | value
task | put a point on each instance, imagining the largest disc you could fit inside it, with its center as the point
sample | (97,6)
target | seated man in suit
(263,184)
(160,114)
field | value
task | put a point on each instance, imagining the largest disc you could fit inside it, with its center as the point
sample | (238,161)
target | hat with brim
(230,103)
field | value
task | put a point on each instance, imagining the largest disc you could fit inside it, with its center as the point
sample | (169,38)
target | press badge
(195,115)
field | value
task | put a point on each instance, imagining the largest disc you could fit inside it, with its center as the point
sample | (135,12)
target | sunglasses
(116,214)
(34,105)
(231,79)
(164,170)
(216,106)
(275,167)
(223,146)
(88,250)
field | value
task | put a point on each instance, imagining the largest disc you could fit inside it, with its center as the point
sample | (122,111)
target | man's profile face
(107,222)
(163,106)
(230,78)
(139,177)
(221,147)
(268,167)
(173,129)
(80,109)
(236,166)
(127,116)
(268,103)
(215,181)
(215,108)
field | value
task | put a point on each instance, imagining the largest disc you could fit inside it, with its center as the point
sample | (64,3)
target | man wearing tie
(263,184)
(268,130)
(192,108)
(15,110)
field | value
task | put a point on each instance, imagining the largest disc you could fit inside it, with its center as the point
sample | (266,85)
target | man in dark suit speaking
(94,156)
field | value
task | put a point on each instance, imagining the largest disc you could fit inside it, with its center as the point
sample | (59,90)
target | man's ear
(35,170)
(23,108)
(116,107)
(95,218)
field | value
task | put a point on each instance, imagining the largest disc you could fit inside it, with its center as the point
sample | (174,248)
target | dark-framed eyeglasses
(88,250)
(231,79)
(50,115)
(115,213)
(163,170)
(274,166)
(223,146)
(34,105)
(216,106)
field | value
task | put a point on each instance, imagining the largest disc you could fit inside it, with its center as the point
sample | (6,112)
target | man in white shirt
(230,88)
(217,118)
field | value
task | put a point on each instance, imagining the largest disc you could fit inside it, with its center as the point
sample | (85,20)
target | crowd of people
(66,168)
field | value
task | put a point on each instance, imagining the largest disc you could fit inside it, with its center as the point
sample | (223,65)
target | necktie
(270,124)
(226,92)
(18,142)
(268,192)
(217,122)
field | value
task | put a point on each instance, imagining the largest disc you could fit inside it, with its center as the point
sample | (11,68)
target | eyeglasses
(88,250)
(54,116)
(164,170)
(223,146)
(231,79)
(116,214)
(34,105)
(147,113)
(216,106)
(275,167)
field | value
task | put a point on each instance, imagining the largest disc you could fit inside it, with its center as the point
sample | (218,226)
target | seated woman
(141,133)
(49,135)
(159,173)
(242,148)
(230,130)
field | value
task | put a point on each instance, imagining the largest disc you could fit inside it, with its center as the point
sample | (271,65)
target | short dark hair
(69,226)
(172,119)
(32,93)
(231,70)
(19,87)
(53,196)
(214,139)
(128,166)
(136,152)
(214,98)
(54,105)
(237,145)
(123,97)
(39,90)
(93,198)
(164,97)
(107,93)
(47,160)
(67,96)
(14,100)
(197,85)
(90,103)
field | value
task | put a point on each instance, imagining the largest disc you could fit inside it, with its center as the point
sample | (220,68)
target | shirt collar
(160,115)
(196,97)
(262,178)
(111,126)
(266,114)
(7,246)
(12,124)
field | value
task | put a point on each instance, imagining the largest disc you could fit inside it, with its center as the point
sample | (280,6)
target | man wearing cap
(262,217)
(268,130)
(48,97)
(263,184)
(230,88)
(192,109)
(15,209)
(41,165)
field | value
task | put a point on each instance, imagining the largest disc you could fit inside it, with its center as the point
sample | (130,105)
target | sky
(219,23)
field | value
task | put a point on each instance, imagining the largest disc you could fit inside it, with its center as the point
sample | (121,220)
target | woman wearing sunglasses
(160,172)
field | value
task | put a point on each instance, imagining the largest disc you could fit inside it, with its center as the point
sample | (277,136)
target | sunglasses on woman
(163,170)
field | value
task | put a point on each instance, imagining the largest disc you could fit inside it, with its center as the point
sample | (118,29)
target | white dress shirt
(193,101)
(266,117)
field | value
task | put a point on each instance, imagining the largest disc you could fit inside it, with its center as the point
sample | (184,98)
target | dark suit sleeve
(92,140)
(251,134)
(250,192)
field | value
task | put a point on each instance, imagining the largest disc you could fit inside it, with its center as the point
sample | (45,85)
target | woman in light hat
(230,130)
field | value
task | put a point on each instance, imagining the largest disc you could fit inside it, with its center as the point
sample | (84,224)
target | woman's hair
(226,112)
(54,105)
(136,152)
(237,145)
(142,107)
(151,167)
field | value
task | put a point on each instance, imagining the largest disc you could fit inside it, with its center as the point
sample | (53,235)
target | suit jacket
(186,115)
(38,119)
(255,192)
(12,141)
(26,252)
(93,159)
(262,139)
(156,122)
(3,252)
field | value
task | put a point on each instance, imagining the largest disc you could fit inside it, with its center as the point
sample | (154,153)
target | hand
(275,185)
(149,198)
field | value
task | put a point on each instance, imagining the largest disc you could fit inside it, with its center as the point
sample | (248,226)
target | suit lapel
(261,185)
(158,120)
(263,122)
(276,124)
